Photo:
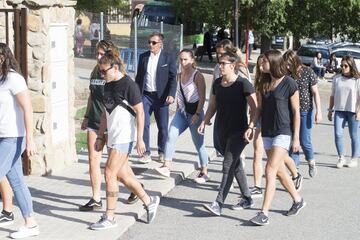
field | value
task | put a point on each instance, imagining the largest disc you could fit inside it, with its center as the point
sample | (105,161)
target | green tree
(102,5)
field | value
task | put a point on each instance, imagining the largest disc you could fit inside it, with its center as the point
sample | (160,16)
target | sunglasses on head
(153,42)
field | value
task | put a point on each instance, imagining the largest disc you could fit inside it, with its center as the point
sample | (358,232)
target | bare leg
(290,164)
(258,154)
(6,194)
(94,165)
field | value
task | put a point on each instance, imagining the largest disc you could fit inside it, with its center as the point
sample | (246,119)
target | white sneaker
(163,171)
(340,163)
(161,157)
(352,163)
(145,159)
(25,232)
(202,178)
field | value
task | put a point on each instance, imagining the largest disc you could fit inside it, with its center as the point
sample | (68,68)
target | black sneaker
(6,219)
(260,219)
(295,208)
(91,206)
(298,182)
(256,192)
(133,198)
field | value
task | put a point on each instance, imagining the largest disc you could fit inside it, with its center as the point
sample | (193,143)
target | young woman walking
(190,102)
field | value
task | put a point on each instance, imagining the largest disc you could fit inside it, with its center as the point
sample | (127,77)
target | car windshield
(341,54)
(311,52)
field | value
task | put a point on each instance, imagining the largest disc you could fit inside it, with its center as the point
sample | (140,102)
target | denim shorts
(122,147)
(283,141)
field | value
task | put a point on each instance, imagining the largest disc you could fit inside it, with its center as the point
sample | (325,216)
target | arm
(315,92)
(211,110)
(24,102)
(100,140)
(295,107)
(201,87)
(316,64)
(254,113)
(140,145)
(172,80)
(84,123)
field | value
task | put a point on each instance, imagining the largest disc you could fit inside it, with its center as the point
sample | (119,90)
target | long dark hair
(7,61)
(353,69)
(293,62)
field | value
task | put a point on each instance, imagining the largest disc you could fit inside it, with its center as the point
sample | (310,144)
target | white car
(354,52)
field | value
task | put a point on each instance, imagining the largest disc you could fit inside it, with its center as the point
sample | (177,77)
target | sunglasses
(224,63)
(153,42)
(344,66)
(104,71)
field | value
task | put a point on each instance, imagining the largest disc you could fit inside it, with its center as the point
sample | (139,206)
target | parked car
(319,41)
(307,53)
(354,52)
(344,44)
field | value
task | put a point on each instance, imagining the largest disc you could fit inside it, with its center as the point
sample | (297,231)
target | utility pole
(236,16)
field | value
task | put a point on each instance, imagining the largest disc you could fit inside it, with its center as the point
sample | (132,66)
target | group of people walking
(276,112)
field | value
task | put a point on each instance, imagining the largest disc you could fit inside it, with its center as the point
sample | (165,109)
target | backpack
(96,33)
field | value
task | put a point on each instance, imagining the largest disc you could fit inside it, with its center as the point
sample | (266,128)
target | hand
(140,147)
(357,115)
(99,144)
(30,148)
(169,99)
(318,117)
(201,128)
(296,145)
(249,134)
(330,116)
(194,119)
(84,124)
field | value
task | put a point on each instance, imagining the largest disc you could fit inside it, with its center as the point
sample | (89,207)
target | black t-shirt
(124,89)
(231,107)
(276,113)
(96,94)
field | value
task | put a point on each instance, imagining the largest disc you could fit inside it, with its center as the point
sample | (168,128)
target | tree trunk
(265,43)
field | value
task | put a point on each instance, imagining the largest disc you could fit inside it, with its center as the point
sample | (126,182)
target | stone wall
(41,14)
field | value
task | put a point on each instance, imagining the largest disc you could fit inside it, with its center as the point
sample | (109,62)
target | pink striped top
(190,91)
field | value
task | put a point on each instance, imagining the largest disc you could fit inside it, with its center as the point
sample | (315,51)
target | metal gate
(17,20)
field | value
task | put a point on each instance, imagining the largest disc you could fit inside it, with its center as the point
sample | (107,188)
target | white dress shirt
(150,77)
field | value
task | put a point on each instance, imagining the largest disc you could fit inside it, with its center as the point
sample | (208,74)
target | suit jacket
(165,74)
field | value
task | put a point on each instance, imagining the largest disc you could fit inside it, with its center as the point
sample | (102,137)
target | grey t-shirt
(346,93)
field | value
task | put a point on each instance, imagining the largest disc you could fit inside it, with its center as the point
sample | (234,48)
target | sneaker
(340,163)
(145,159)
(243,204)
(295,208)
(214,208)
(260,219)
(91,205)
(352,163)
(24,232)
(202,178)
(151,208)
(163,171)
(104,223)
(133,198)
(6,219)
(256,192)
(312,169)
(161,157)
(298,182)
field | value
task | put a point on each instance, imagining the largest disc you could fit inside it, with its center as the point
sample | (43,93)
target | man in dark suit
(156,77)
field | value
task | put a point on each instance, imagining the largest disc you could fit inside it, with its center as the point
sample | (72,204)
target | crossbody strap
(181,90)
(127,107)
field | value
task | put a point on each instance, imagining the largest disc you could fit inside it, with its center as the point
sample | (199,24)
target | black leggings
(232,166)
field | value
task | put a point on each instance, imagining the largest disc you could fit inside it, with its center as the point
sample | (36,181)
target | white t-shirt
(346,93)
(150,77)
(11,115)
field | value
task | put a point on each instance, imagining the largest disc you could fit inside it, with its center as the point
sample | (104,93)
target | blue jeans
(11,167)
(320,72)
(341,117)
(306,124)
(152,103)
(179,124)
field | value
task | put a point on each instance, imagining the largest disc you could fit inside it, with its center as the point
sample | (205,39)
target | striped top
(190,91)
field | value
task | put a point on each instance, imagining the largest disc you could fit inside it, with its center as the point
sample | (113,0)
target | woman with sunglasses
(123,117)
(308,92)
(278,103)
(345,102)
(190,90)
(229,99)
(91,123)
(16,134)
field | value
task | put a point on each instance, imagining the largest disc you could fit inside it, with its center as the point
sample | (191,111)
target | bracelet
(86,116)
(252,128)
(198,114)
(330,110)
(99,139)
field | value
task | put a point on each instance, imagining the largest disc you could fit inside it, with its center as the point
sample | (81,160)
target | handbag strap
(127,107)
